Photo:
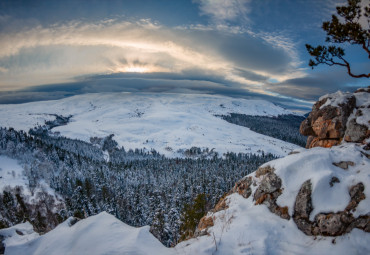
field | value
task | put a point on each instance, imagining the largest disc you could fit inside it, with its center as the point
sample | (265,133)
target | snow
(11,174)
(99,234)
(335,99)
(243,228)
(363,102)
(12,238)
(362,99)
(154,121)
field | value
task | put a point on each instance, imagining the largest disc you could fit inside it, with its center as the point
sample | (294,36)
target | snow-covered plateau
(167,123)
(240,227)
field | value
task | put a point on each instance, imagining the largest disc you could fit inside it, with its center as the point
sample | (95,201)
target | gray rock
(355,132)
(334,180)
(344,164)
(267,193)
(303,208)
(329,224)
(243,187)
(264,170)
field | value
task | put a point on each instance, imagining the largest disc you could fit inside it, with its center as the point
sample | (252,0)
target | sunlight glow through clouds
(104,47)
(134,69)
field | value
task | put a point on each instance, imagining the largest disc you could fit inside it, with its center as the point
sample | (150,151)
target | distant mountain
(168,123)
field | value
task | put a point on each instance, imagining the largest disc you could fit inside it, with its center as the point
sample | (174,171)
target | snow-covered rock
(337,117)
(167,123)
(293,205)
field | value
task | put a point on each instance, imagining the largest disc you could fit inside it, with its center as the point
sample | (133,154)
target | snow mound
(99,234)
(167,123)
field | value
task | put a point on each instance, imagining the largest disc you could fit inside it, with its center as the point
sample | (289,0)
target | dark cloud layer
(136,83)
(318,83)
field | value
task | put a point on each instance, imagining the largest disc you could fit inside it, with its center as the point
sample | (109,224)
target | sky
(241,48)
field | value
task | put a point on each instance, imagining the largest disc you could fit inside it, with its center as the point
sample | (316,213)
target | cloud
(320,82)
(59,53)
(190,83)
(224,10)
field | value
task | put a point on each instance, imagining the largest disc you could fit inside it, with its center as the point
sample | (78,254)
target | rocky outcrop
(337,117)
(344,164)
(265,187)
(268,192)
(204,224)
(243,187)
(329,224)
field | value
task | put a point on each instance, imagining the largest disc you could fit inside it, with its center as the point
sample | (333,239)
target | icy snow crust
(243,228)
(164,122)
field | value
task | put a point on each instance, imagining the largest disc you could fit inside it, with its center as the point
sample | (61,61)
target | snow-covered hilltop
(164,122)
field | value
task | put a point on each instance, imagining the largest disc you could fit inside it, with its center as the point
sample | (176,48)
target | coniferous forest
(139,187)
(283,127)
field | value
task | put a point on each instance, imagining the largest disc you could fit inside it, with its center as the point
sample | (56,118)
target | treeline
(283,127)
(138,187)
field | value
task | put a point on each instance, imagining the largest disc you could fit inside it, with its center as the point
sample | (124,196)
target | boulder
(335,117)
(329,224)
(267,193)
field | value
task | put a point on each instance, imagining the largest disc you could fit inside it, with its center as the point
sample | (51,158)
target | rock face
(337,117)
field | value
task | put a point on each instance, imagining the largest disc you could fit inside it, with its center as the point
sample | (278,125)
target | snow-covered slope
(12,175)
(100,234)
(243,227)
(164,122)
